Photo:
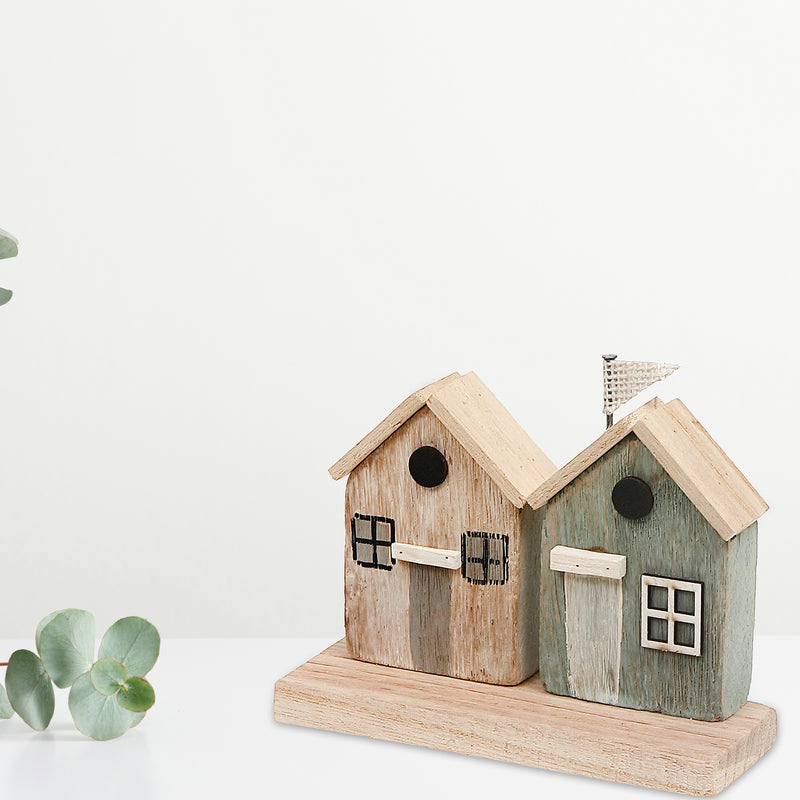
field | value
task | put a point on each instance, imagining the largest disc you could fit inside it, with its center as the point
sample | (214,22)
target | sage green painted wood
(738,632)
(594,631)
(8,245)
(530,550)
(674,541)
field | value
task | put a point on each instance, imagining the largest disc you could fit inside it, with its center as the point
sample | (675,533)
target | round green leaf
(97,715)
(41,625)
(136,694)
(8,245)
(30,690)
(5,296)
(134,642)
(108,676)
(6,710)
(66,645)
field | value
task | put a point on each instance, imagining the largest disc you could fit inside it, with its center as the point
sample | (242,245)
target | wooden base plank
(523,724)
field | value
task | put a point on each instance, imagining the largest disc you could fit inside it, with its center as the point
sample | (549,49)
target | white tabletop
(212,734)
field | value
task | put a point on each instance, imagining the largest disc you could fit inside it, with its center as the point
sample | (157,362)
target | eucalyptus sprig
(9,247)
(107,696)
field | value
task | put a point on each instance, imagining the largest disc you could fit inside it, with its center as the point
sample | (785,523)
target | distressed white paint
(587,562)
(594,635)
(430,556)
(671,615)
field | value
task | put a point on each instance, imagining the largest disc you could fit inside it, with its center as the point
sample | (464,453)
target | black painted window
(484,557)
(372,541)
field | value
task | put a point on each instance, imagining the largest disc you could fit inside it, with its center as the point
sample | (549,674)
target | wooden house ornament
(649,569)
(441,550)
(626,579)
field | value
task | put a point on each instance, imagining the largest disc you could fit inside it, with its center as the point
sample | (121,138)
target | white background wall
(249,229)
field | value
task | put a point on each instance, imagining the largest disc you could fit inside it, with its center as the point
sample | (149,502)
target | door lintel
(587,562)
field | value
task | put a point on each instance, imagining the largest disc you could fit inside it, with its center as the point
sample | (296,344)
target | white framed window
(671,614)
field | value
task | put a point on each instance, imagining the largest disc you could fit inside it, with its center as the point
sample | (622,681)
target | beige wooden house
(441,551)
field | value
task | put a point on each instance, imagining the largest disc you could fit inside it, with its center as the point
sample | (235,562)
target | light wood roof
(689,455)
(378,435)
(483,427)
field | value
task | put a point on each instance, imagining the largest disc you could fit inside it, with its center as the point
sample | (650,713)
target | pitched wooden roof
(683,447)
(478,421)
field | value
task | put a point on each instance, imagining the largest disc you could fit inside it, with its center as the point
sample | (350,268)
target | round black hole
(632,498)
(428,467)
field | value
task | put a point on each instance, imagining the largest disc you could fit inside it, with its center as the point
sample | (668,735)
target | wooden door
(429,618)
(593,610)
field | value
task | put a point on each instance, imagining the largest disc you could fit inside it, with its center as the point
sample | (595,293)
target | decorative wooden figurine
(442,553)
(649,569)
(627,578)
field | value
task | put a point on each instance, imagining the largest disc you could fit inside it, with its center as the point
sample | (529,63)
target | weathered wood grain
(524,725)
(429,618)
(612,436)
(486,430)
(675,541)
(429,556)
(481,425)
(593,634)
(691,470)
(396,419)
(587,562)
(739,489)
(490,640)
(687,452)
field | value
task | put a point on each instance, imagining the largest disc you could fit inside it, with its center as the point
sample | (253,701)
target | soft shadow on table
(62,762)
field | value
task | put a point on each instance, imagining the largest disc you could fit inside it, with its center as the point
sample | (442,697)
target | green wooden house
(648,570)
